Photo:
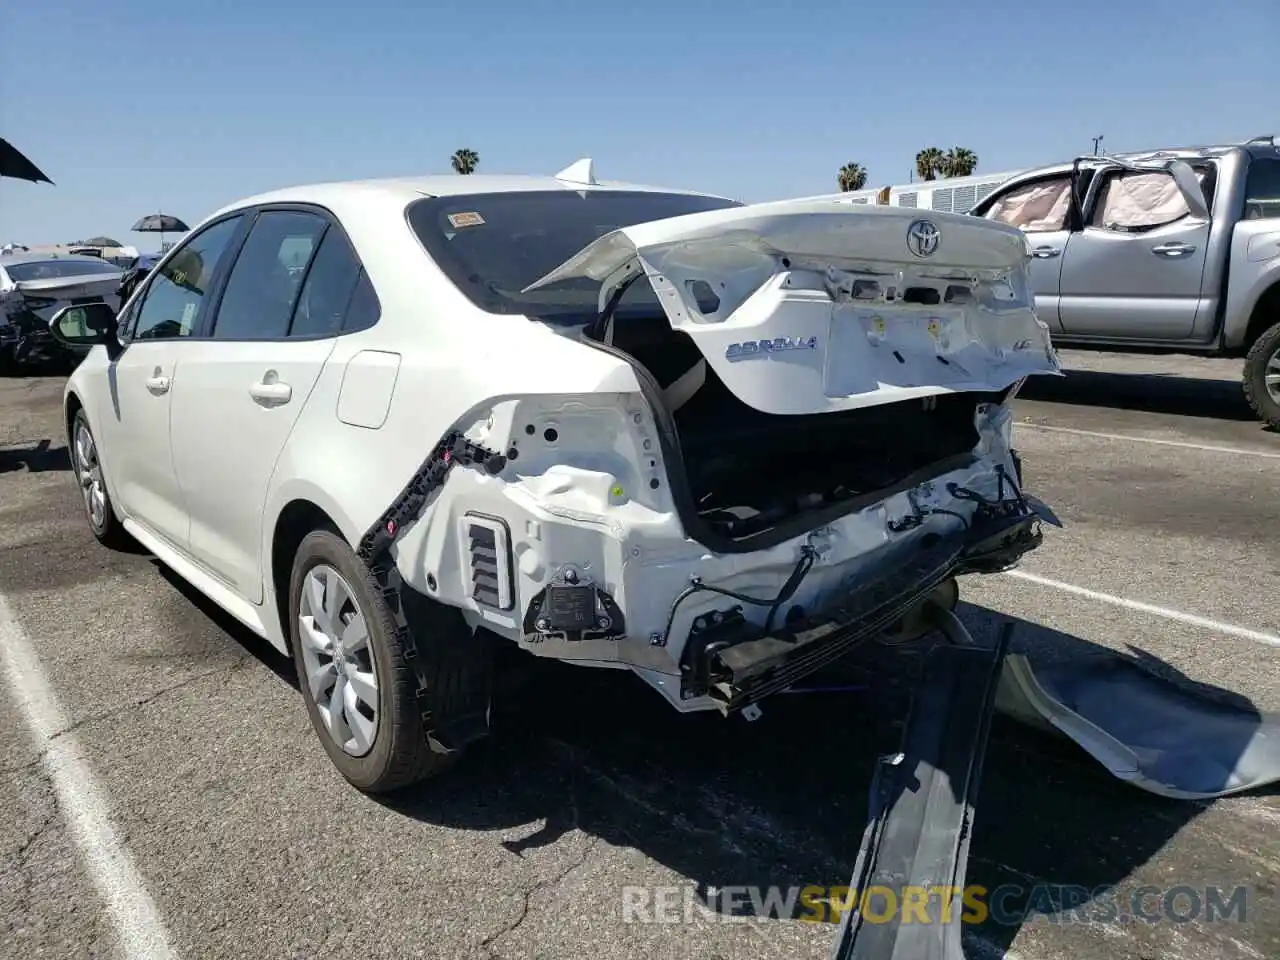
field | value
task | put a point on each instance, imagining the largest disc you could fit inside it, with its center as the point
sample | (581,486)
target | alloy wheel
(89,473)
(1271,376)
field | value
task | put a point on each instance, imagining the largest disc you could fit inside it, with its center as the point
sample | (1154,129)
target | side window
(174,296)
(1132,202)
(1037,207)
(1262,191)
(330,282)
(363,310)
(261,289)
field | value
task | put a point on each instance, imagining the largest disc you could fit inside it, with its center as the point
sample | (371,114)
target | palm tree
(929,163)
(465,161)
(959,162)
(852,176)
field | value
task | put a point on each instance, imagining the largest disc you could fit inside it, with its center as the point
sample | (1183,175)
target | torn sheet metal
(922,803)
(1163,737)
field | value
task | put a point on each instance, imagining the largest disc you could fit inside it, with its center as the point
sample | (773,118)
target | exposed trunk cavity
(749,471)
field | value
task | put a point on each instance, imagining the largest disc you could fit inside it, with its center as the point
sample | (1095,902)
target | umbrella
(160,223)
(14,164)
(100,242)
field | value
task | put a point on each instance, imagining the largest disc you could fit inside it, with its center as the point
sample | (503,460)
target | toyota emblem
(923,238)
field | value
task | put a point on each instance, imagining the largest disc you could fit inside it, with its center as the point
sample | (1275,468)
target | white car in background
(34,286)
(715,444)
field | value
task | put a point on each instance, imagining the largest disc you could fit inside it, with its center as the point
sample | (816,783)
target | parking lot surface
(163,795)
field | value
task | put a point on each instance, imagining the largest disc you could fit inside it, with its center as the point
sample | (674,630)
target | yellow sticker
(879,322)
(934,328)
(465,219)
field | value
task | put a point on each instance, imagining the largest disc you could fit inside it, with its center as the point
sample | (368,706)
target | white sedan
(389,424)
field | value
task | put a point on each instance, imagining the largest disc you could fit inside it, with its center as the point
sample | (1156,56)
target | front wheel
(1262,377)
(87,464)
(359,688)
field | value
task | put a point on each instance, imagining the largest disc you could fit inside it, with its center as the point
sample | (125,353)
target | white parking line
(1209,448)
(142,933)
(1230,629)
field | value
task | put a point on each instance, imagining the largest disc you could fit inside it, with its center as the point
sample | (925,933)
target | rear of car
(34,287)
(715,444)
(820,444)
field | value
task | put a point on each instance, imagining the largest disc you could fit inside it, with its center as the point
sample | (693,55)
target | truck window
(1130,202)
(1262,190)
(1037,207)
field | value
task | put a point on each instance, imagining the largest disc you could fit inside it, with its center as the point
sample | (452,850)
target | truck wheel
(1262,377)
(359,688)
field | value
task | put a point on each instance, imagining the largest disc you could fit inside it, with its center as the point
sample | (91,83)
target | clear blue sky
(133,107)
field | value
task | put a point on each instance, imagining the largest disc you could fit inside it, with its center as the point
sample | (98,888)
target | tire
(99,511)
(396,754)
(1264,355)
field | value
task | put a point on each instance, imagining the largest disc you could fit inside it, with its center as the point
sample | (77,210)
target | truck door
(1135,271)
(1039,208)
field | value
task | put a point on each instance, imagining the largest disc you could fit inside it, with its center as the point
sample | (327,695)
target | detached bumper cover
(1167,738)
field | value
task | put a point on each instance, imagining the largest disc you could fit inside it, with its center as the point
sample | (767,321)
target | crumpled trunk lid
(811,306)
(70,288)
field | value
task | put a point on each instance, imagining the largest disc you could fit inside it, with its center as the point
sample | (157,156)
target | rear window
(494,245)
(58,269)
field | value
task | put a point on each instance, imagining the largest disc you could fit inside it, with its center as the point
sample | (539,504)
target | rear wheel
(1262,377)
(359,688)
(98,509)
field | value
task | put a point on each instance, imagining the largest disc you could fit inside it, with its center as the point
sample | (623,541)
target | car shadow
(253,644)
(782,801)
(1149,392)
(40,457)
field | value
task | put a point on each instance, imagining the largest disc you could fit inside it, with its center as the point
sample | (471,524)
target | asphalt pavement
(178,803)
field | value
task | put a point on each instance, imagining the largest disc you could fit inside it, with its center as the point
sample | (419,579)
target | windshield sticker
(465,219)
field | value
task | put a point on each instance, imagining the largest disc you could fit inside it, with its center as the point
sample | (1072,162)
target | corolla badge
(749,349)
(923,238)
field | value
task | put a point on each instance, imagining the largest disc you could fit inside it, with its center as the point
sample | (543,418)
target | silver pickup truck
(1174,250)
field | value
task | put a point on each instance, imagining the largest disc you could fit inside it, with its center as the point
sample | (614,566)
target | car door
(1135,270)
(272,330)
(1039,207)
(158,330)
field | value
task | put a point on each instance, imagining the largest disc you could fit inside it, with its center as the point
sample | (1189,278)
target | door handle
(271,392)
(1175,249)
(157,384)
(1044,253)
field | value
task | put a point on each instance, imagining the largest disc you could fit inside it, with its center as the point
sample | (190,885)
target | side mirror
(83,326)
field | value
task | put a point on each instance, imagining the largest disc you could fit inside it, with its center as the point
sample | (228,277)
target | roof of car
(413,188)
(1258,148)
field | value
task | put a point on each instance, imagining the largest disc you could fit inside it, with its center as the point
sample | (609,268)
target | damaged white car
(388,424)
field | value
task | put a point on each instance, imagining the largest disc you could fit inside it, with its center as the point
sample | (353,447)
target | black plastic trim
(509,562)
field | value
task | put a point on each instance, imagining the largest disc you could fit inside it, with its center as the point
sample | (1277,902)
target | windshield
(58,269)
(494,245)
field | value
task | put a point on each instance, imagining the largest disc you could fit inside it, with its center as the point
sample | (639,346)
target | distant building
(947,195)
